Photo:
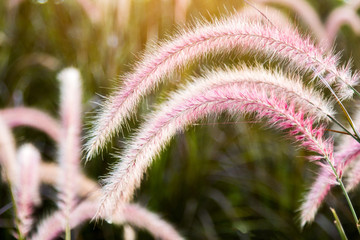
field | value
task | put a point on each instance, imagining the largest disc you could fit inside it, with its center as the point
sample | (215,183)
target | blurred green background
(223,179)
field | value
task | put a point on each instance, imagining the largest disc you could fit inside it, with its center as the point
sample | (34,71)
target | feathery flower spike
(24,116)
(347,151)
(190,105)
(27,186)
(70,150)
(221,36)
(317,193)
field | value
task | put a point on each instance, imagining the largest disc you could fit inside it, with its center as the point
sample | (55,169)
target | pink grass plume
(7,153)
(347,158)
(342,15)
(27,186)
(222,36)
(192,104)
(353,176)
(30,117)
(70,150)
(346,154)
(316,194)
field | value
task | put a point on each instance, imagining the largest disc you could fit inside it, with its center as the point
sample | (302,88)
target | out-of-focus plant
(25,173)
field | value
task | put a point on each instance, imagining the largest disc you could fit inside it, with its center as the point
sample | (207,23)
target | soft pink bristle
(219,37)
(27,186)
(70,145)
(24,116)
(192,104)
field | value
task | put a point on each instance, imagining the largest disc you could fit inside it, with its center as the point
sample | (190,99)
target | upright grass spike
(27,186)
(129,233)
(70,145)
(222,36)
(192,104)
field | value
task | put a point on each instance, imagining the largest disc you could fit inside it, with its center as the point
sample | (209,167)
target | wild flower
(27,186)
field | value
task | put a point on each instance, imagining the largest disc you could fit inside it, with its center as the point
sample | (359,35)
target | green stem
(355,91)
(343,127)
(67,232)
(338,225)
(338,179)
(352,124)
(349,203)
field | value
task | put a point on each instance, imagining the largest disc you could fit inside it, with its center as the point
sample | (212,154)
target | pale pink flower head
(69,147)
(27,186)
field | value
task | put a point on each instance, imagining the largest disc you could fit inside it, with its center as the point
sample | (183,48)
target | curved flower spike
(219,37)
(31,117)
(69,147)
(342,15)
(198,101)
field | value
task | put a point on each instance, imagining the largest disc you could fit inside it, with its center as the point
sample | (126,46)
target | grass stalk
(67,232)
(338,225)
(356,138)
(338,179)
